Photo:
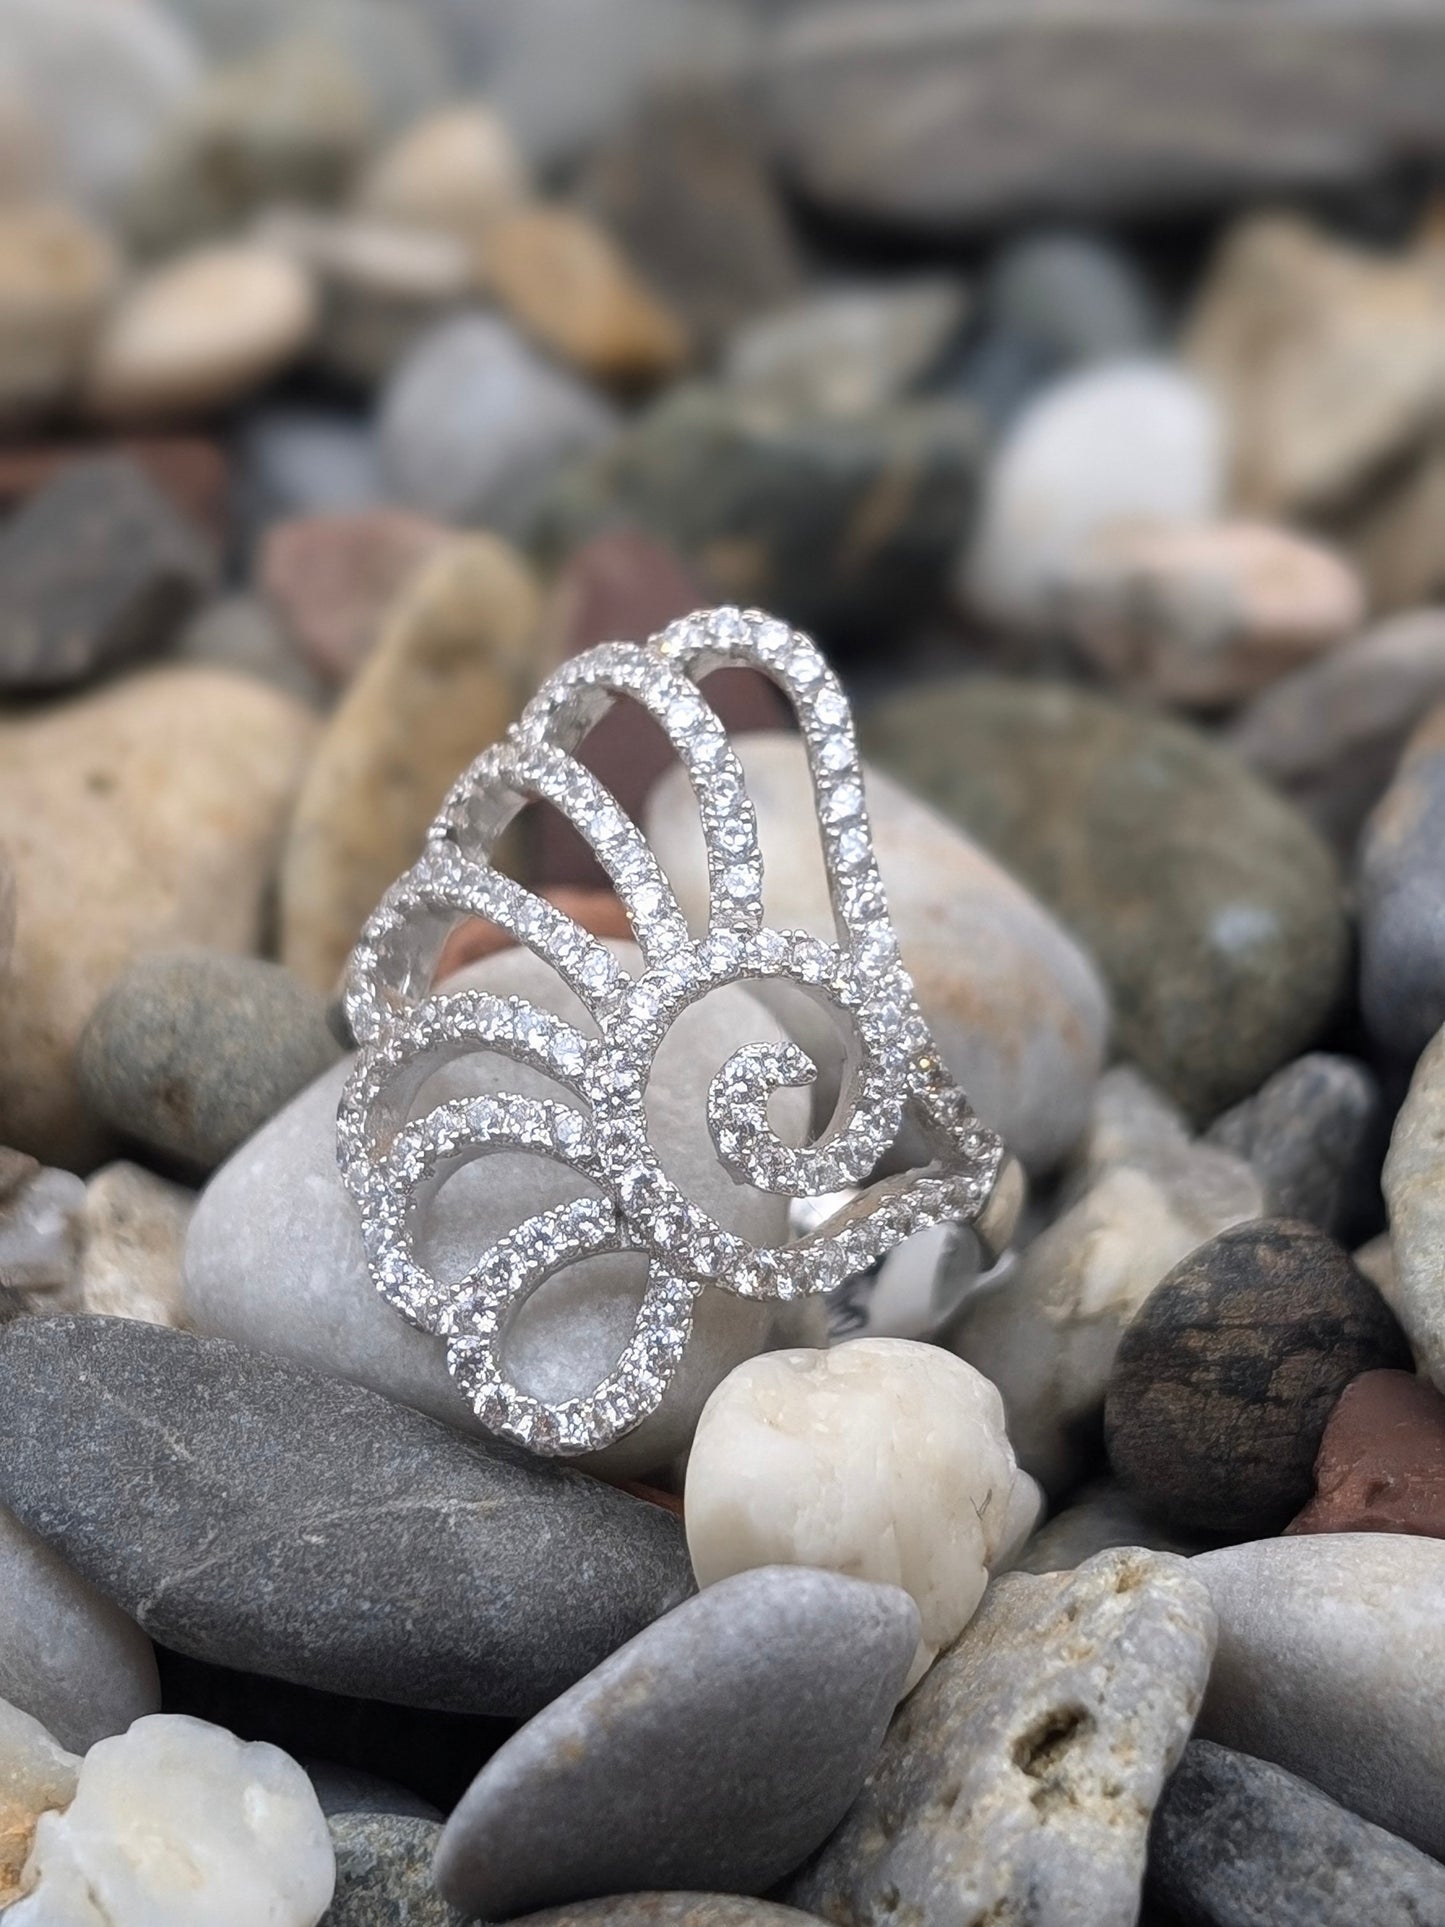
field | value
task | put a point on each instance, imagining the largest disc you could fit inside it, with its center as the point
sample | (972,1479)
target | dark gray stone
(347,1789)
(384,1873)
(1315,1133)
(1100,1516)
(1240,1843)
(1079,298)
(281,1522)
(97,568)
(1402,900)
(670,1910)
(715,1750)
(191,1051)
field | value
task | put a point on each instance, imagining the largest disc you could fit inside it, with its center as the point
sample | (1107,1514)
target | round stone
(56,273)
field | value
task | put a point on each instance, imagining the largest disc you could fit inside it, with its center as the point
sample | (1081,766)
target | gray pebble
(1402,900)
(350,1789)
(307,461)
(716,1750)
(384,1873)
(1100,1517)
(279,1522)
(240,632)
(1314,1132)
(1072,294)
(191,1051)
(671,1910)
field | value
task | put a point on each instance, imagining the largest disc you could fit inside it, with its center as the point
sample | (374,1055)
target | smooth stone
(849,348)
(1390,533)
(135,1235)
(1330,736)
(159,804)
(275,1257)
(42,1229)
(452,172)
(1315,1134)
(475,424)
(240,632)
(1128,441)
(716,1749)
(568,284)
(627,585)
(1212,909)
(1402,900)
(287,123)
(333,578)
(1327,359)
(36,1776)
(448,675)
(307,461)
(1324,1640)
(780,510)
(671,1910)
(1414,1187)
(1140,1196)
(384,1873)
(1381,1462)
(68,1656)
(1073,294)
(883,1458)
(96,570)
(1101,1516)
(332,1572)
(202,330)
(1016,1007)
(1223,1382)
(1019,1778)
(190,470)
(1237,1841)
(190,1052)
(176,1820)
(57,272)
(347,1790)
(1203,616)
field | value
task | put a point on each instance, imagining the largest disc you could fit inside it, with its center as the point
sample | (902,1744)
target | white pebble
(36,1774)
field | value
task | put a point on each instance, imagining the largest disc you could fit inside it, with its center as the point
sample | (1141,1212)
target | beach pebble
(200,331)
(175,1820)
(42,1228)
(1213,910)
(452,172)
(384,1873)
(307,461)
(1223,1382)
(240,632)
(1101,1515)
(158,803)
(344,1790)
(191,471)
(190,1051)
(1414,1186)
(716,1749)
(1236,1842)
(1381,1462)
(356,1546)
(1015,1005)
(1402,900)
(57,272)
(1126,441)
(1204,615)
(135,1235)
(672,1910)
(333,578)
(275,1257)
(1019,1778)
(68,1656)
(1073,294)
(848,348)
(1324,1640)
(96,569)
(474,424)
(36,1776)
(1315,1134)
(883,1458)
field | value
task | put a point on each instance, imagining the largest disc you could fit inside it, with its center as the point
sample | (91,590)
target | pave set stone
(393,1161)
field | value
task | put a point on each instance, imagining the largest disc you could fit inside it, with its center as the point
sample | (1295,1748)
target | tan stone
(57,272)
(37,1775)
(1396,539)
(453,172)
(145,816)
(451,671)
(135,1235)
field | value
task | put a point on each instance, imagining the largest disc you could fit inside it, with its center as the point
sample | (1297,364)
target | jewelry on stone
(392,1162)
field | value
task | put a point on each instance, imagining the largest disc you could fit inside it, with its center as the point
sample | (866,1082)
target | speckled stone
(384,1873)
(1212,908)
(1315,1133)
(1224,1380)
(1381,1463)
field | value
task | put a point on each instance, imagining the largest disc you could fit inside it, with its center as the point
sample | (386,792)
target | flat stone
(1236,1841)
(1019,1778)
(157,804)
(1315,1134)
(717,1749)
(37,1775)
(68,1656)
(275,1259)
(384,1873)
(135,1233)
(331,1570)
(1224,1380)
(57,272)
(882,1458)
(1099,1517)
(446,679)
(452,172)
(475,424)
(1414,1187)
(1211,907)
(849,348)
(1323,1642)
(189,1052)
(1381,1462)
(96,569)
(1402,900)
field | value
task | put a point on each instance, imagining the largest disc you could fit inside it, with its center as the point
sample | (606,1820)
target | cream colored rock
(200,332)
(452,173)
(450,672)
(142,817)
(884,1459)
(176,1822)
(37,1775)
(1203,615)
(135,1237)
(1015,1005)
(57,272)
